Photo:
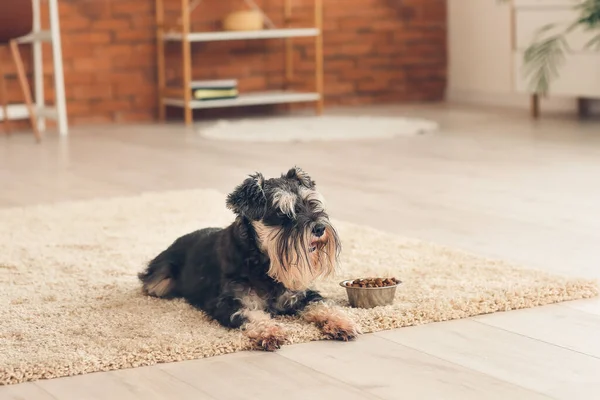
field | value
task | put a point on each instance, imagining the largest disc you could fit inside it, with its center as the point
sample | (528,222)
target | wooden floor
(492,182)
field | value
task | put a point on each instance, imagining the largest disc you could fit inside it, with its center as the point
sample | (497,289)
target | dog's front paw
(340,328)
(267,338)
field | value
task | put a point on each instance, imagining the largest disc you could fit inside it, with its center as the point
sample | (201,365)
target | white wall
(479,47)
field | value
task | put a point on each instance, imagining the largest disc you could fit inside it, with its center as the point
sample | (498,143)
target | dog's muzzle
(318,237)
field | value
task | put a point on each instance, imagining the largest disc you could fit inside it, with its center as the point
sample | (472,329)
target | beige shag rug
(71,302)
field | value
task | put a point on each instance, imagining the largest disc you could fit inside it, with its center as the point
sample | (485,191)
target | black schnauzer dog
(260,266)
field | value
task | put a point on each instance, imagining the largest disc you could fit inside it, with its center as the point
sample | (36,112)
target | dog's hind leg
(158,279)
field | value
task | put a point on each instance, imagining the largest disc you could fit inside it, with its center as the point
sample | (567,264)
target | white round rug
(316,128)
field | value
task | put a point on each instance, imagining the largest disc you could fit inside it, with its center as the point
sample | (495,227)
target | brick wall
(375,51)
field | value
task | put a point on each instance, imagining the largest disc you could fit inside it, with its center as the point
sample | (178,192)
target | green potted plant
(543,57)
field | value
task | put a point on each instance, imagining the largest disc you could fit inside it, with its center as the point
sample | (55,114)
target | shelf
(42,36)
(20,111)
(249,99)
(243,35)
(179,31)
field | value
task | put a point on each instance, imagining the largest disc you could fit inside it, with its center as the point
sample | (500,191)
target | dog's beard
(297,257)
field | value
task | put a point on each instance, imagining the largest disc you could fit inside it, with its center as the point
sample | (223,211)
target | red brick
(375,84)
(133,116)
(74,23)
(375,51)
(114,51)
(94,118)
(111,24)
(90,64)
(80,108)
(89,38)
(146,21)
(71,52)
(350,49)
(113,106)
(132,36)
(131,7)
(80,78)
(90,92)
(253,83)
(340,87)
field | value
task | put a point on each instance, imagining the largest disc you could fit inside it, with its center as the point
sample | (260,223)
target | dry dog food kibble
(373,282)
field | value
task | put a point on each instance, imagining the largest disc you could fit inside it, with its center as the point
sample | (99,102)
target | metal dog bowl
(364,297)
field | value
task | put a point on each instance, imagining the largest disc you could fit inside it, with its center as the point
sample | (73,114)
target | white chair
(57,111)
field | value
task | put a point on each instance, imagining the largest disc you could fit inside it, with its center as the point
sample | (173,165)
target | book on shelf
(215,84)
(214,89)
(215,94)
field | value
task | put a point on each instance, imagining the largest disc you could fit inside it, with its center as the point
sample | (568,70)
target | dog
(262,265)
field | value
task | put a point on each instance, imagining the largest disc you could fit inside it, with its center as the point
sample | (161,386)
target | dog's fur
(260,266)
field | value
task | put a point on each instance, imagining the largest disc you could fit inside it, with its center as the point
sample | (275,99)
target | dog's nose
(318,230)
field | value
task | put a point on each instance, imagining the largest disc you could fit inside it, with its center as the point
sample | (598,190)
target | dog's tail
(159,278)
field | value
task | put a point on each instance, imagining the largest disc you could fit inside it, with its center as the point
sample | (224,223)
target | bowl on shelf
(370,292)
(247,20)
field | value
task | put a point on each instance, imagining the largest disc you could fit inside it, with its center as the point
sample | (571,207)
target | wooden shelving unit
(180,32)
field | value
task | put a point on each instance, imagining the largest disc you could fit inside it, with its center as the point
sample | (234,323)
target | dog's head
(292,226)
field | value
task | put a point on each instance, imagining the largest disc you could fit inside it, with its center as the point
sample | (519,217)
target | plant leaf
(594,43)
(542,60)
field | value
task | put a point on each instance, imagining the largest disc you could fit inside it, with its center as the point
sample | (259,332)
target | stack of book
(215,89)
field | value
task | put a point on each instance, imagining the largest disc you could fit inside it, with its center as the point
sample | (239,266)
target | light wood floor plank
(391,371)
(591,306)
(525,362)
(24,391)
(146,383)
(95,386)
(260,376)
(151,383)
(561,326)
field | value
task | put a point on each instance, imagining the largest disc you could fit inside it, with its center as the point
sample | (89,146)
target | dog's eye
(315,204)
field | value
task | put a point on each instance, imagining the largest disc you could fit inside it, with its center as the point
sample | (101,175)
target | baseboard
(517,100)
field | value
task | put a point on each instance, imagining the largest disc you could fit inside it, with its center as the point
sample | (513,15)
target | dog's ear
(302,177)
(248,198)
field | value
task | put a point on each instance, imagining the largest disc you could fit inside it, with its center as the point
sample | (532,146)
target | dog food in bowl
(373,282)
(371,292)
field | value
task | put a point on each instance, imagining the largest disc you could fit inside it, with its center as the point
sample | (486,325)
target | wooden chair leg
(4,98)
(535,106)
(14,47)
(583,107)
